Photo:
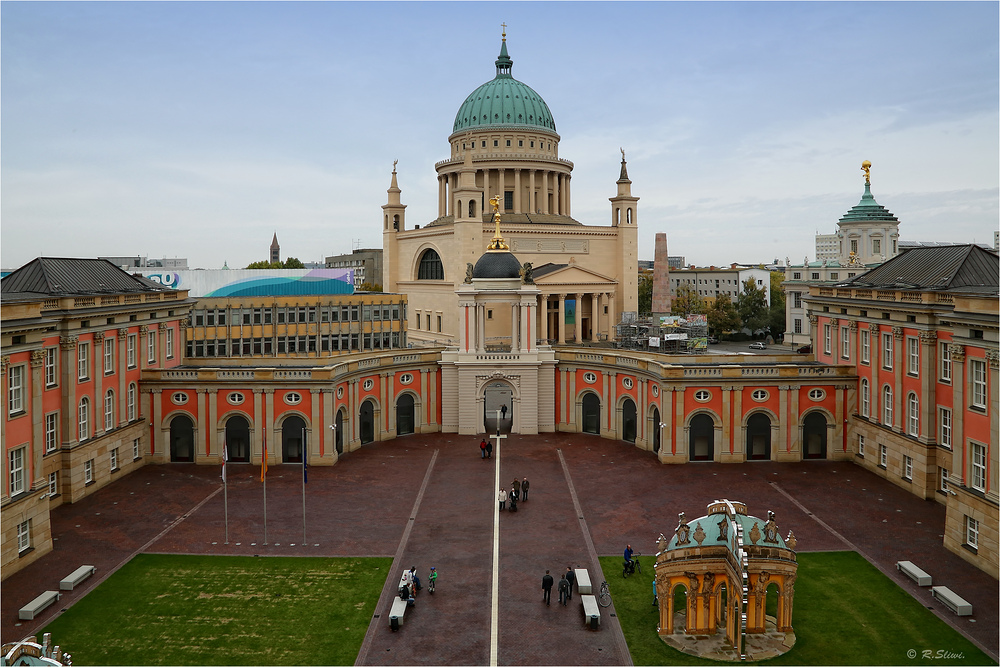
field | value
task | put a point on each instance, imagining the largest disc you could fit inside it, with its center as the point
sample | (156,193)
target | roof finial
(866,167)
(497,243)
(504,33)
(623,153)
(394,163)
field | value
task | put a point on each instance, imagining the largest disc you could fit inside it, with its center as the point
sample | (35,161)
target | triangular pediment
(573,274)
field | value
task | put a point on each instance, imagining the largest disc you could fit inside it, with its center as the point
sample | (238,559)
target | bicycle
(633,566)
(604,597)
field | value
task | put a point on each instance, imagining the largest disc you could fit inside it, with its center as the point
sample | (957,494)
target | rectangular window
(861,445)
(866,346)
(943,479)
(944,427)
(796,275)
(15,481)
(135,449)
(977,454)
(945,355)
(130,402)
(845,343)
(854,246)
(907,467)
(798,325)
(439,323)
(109,411)
(913,356)
(88,471)
(887,351)
(53,483)
(151,346)
(109,355)
(977,373)
(83,361)
(114,459)
(913,415)
(815,275)
(887,406)
(130,345)
(866,398)
(826,339)
(972,532)
(24,536)
(15,390)
(883,455)
(51,359)
(876,246)
(51,432)
(170,343)
(83,419)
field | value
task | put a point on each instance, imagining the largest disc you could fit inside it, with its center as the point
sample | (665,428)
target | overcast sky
(199,129)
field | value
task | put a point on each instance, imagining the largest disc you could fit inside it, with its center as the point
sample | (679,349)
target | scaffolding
(673,334)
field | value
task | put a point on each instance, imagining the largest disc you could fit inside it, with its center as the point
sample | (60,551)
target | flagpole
(264,476)
(225,484)
(305,460)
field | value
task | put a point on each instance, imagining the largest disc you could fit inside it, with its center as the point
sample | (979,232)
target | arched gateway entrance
(498,396)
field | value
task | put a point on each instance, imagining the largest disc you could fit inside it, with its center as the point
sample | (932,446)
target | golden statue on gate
(497,243)
(866,167)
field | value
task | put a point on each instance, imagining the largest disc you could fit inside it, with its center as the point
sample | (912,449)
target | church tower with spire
(275,254)
(393,221)
(624,216)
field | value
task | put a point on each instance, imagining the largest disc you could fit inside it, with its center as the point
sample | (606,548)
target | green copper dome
(868,210)
(504,101)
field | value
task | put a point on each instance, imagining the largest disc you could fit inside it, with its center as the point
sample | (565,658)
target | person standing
(432,580)
(515,489)
(571,578)
(415,578)
(482,448)
(502,497)
(489,449)
(546,587)
(503,411)
(524,489)
(563,591)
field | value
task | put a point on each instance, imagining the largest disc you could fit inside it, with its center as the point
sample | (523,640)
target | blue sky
(196,129)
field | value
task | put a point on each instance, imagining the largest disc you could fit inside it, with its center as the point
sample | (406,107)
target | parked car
(712,340)
(758,345)
(805,349)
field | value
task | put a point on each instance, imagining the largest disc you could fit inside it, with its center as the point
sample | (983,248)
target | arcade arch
(181,439)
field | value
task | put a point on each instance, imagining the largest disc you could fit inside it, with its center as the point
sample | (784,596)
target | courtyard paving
(429,500)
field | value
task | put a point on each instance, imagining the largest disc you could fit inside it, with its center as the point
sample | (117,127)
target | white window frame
(109,355)
(913,416)
(972,532)
(861,444)
(151,347)
(866,346)
(169,332)
(83,419)
(866,398)
(51,366)
(907,467)
(943,479)
(15,471)
(977,464)
(887,398)
(54,483)
(944,427)
(845,343)
(977,378)
(135,448)
(130,343)
(945,354)
(15,389)
(24,536)
(51,432)
(114,459)
(913,356)
(83,361)
(827,336)
(797,325)
(887,351)
(109,410)
(88,471)
(883,455)
(130,402)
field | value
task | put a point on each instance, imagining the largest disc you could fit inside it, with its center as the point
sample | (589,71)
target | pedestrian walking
(524,489)
(432,580)
(502,497)
(563,591)
(546,587)
(571,578)
(656,596)
(489,450)
(515,488)
(482,448)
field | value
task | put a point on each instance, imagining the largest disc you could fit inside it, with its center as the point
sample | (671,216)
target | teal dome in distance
(504,101)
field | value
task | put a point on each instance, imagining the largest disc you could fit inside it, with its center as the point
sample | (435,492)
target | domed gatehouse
(725,583)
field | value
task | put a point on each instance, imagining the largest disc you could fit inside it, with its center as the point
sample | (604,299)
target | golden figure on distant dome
(866,167)
(497,243)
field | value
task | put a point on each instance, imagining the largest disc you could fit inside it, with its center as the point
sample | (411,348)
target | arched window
(472,208)
(83,415)
(913,418)
(430,266)
(866,398)
(130,398)
(109,410)
(887,405)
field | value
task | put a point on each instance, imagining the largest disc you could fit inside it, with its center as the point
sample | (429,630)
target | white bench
(35,607)
(583,581)
(77,577)
(591,612)
(397,613)
(914,572)
(952,600)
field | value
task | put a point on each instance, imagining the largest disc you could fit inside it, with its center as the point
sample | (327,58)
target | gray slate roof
(958,268)
(48,277)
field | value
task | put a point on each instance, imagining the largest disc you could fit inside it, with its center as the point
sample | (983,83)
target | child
(431,580)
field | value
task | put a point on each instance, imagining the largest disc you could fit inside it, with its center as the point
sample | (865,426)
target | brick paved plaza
(430,499)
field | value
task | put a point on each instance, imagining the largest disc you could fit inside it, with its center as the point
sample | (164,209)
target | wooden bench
(952,600)
(77,577)
(591,612)
(914,572)
(583,581)
(35,607)
(397,613)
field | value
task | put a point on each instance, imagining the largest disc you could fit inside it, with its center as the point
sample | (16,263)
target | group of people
(518,491)
(565,586)
(409,584)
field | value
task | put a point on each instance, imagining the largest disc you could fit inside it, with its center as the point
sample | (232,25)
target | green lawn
(225,610)
(846,613)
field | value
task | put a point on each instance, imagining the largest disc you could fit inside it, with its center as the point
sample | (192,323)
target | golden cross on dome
(504,26)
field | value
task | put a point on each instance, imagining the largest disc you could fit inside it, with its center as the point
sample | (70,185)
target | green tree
(290,263)
(751,304)
(370,287)
(687,300)
(293,263)
(776,320)
(645,293)
(722,315)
